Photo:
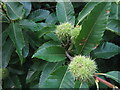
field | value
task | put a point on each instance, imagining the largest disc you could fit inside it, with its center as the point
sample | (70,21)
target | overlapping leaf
(86,11)
(52,36)
(60,78)
(27,7)
(114,11)
(92,29)
(46,30)
(29,24)
(106,51)
(39,15)
(48,69)
(114,75)
(114,26)
(114,20)
(7,50)
(16,35)
(51,19)
(51,52)
(15,10)
(13,82)
(65,12)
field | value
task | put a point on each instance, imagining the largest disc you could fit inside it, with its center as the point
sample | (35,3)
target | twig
(96,82)
(106,82)
(67,54)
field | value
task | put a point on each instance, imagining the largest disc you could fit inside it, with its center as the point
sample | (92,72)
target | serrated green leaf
(39,15)
(7,50)
(49,68)
(114,26)
(92,29)
(65,11)
(52,36)
(29,24)
(114,11)
(51,54)
(27,7)
(106,51)
(51,19)
(15,10)
(114,75)
(86,11)
(16,35)
(42,24)
(48,44)
(45,30)
(60,78)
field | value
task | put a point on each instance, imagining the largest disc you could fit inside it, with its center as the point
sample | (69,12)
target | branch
(106,83)
(67,54)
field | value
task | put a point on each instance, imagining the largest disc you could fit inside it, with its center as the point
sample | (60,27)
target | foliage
(33,54)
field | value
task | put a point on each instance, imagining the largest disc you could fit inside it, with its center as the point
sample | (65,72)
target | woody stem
(67,54)
(106,82)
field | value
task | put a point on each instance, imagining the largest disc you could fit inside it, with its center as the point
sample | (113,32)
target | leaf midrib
(111,76)
(48,74)
(65,11)
(63,78)
(15,35)
(90,32)
(13,10)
